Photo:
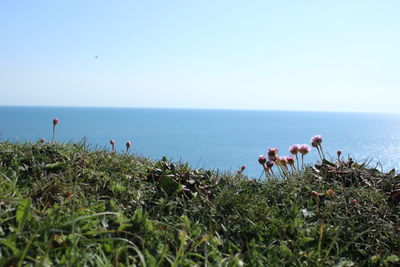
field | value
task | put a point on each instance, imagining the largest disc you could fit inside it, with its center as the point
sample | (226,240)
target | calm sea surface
(219,139)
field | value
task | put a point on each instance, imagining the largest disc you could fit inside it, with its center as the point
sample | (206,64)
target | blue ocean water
(216,139)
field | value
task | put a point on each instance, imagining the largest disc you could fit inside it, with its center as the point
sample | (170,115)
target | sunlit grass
(62,204)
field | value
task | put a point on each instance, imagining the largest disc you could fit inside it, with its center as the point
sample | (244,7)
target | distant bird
(96,57)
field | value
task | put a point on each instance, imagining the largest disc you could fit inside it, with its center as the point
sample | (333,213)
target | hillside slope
(63,204)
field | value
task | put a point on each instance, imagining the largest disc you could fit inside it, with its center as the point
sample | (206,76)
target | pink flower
(273,158)
(290,160)
(128,145)
(262,160)
(55,122)
(314,194)
(282,160)
(304,149)
(294,149)
(316,140)
(270,164)
(272,152)
(241,169)
(112,142)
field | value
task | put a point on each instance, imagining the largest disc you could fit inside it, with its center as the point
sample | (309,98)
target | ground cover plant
(69,205)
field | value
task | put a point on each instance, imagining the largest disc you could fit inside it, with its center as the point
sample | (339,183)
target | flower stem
(319,153)
(54,133)
(322,151)
(267,176)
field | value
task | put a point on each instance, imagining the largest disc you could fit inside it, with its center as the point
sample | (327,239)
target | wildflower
(304,149)
(290,160)
(282,161)
(272,154)
(316,140)
(42,140)
(354,201)
(112,142)
(241,169)
(55,122)
(262,160)
(316,196)
(294,149)
(128,145)
(270,164)
(330,192)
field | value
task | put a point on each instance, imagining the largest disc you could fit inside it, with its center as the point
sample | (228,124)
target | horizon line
(197,108)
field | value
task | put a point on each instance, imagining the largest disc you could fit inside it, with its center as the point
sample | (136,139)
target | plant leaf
(22,211)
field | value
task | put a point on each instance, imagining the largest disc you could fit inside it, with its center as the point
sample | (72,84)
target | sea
(222,140)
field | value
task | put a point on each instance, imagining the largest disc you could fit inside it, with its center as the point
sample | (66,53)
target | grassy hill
(63,204)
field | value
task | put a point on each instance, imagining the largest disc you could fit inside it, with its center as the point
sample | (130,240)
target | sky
(271,55)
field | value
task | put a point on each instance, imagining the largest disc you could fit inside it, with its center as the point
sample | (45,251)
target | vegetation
(67,205)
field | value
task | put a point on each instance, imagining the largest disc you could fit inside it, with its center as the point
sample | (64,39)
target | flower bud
(270,164)
(272,152)
(128,144)
(314,194)
(262,160)
(316,140)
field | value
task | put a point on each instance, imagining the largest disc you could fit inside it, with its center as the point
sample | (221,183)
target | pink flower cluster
(302,149)
(283,162)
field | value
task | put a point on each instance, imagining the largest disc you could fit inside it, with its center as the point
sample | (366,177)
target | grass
(66,205)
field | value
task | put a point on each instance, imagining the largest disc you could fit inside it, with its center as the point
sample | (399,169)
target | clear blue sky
(276,55)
